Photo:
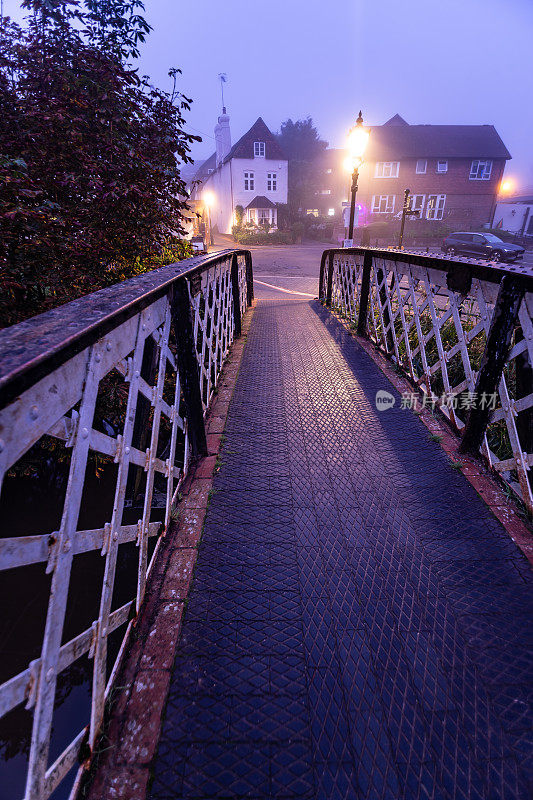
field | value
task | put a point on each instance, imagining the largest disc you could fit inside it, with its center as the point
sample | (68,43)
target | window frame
(485,176)
(259,150)
(249,181)
(376,207)
(422,204)
(437,209)
(438,169)
(420,161)
(272,181)
(381,168)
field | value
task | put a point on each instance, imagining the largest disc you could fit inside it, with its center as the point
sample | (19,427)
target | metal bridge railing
(463,333)
(147,354)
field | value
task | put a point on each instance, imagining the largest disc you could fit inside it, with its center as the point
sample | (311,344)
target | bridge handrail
(452,326)
(156,344)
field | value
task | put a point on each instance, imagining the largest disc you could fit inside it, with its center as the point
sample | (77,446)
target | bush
(255,237)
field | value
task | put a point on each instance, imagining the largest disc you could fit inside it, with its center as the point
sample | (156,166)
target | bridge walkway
(359,624)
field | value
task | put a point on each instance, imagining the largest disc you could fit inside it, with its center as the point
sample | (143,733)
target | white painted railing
(57,368)
(432,316)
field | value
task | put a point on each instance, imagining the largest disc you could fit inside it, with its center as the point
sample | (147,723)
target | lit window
(210,171)
(249,182)
(329,171)
(331,212)
(442,166)
(312,212)
(435,206)
(259,149)
(421,166)
(272,181)
(325,191)
(383,203)
(480,170)
(387,169)
(417,203)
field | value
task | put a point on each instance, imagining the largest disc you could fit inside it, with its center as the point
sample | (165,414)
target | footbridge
(284,550)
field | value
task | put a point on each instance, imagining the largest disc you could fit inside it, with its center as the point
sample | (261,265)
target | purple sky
(432,61)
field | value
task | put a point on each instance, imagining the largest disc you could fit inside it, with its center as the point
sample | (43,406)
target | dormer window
(259,149)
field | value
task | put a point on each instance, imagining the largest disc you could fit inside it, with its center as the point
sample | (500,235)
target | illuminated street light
(506,187)
(208,198)
(357,142)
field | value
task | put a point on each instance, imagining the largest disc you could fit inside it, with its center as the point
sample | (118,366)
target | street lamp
(357,142)
(209,200)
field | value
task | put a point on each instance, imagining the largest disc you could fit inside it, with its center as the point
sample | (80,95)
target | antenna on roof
(223,79)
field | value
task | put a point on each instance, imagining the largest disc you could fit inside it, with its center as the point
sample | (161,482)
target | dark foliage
(90,187)
(302,145)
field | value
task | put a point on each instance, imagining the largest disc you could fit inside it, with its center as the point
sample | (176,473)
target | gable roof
(397,139)
(260,201)
(259,132)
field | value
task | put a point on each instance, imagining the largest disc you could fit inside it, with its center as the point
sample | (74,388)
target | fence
(123,376)
(462,331)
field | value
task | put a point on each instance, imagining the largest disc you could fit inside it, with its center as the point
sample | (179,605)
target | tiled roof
(397,139)
(260,201)
(259,132)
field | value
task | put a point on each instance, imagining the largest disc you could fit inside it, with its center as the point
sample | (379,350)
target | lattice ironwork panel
(437,336)
(116,407)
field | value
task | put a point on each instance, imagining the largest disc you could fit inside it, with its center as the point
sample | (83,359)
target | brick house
(453,172)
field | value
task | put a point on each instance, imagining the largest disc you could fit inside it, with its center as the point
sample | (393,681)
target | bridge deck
(358,625)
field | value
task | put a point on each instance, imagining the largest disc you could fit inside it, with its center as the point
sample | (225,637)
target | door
(479,245)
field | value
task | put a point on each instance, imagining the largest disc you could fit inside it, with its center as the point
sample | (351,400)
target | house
(453,172)
(252,174)
(515,214)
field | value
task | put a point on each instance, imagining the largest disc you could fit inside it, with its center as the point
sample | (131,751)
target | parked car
(481,245)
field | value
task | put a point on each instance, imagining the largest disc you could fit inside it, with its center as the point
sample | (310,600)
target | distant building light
(313,212)
(331,212)
(329,171)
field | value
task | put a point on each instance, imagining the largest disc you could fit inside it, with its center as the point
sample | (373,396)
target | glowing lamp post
(209,201)
(357,142)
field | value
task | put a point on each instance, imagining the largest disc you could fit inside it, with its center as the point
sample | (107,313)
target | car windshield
(491,238)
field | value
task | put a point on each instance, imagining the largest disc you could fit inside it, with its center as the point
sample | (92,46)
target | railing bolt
(50,674)
(2,445)
(84,433)
(98,358)
(34,412)
(67,545)
(108,346)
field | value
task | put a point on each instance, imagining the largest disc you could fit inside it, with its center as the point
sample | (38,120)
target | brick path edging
(474,470)
(123,757)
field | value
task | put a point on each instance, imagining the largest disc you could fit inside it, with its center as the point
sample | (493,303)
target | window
(480,170)
(417,203)
(387,169)
(435,206)
(325,191)
(210,171)
(442,166)
(259,149)
(272,181)
(329,171)
(312,212)
(331,212)
(421,166)
(249,182)
(383,203)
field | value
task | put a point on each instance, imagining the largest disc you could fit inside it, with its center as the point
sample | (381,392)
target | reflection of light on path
(287,291)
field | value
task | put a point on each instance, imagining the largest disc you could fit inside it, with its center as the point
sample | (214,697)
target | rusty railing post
(364,296)
(188,366)
(249,278)
(236,295)
(329,289)
(510,296)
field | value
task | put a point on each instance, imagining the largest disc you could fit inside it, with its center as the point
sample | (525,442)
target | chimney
(222,136)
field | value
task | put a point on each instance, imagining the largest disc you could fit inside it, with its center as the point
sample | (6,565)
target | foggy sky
(432,61)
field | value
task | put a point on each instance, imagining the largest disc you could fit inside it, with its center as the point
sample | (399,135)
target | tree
(90,153)
(302,145)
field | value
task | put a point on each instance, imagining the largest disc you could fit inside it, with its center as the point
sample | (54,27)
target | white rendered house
(252,174)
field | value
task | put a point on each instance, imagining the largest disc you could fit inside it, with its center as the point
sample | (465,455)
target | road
(292,270)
